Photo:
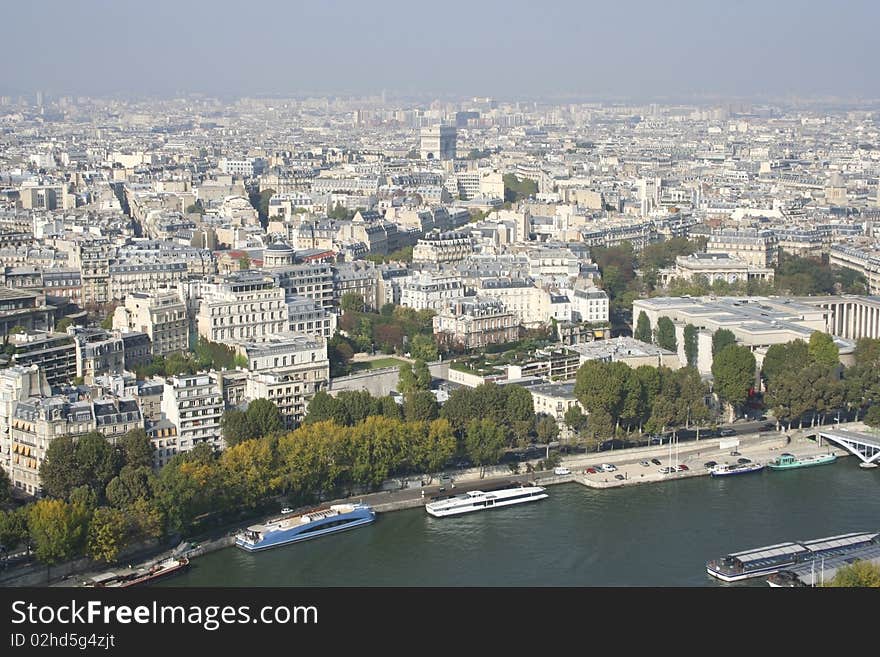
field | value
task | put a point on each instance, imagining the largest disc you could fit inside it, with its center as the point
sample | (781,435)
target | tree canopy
(823,350)
(666,334)
(691,345)
(643,328)
(720,339)
(734,372)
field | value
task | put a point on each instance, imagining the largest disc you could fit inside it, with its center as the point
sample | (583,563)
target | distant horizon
(423,98)
(513,49)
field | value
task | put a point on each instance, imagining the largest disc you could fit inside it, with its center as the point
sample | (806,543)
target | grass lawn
(376,364)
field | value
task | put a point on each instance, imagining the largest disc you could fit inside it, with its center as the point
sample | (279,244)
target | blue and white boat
(292,529)
(735,469)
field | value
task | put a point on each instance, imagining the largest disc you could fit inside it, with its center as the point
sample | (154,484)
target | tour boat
(477,500)
(292,529)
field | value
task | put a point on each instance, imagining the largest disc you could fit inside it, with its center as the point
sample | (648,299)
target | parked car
(682,466)
(607,467)
(744,460)
(560,470)
(619,476)
(727,432)
(591,471)
(735,453)
(645,464)
(667,469)
(710,464)
(655,461)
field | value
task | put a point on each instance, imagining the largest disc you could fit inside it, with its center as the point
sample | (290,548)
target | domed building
(278,254)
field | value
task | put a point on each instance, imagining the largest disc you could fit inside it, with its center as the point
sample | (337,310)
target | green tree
(355,406)
(822,349)
(84,496)
(59,471)
(422,347)
(389,408)
(265,418)
(867,351)
(691,346)
(57,529)
(406,381)
(611,390)
(575,419)
(195,208)
(339,212)
(62,324)
(432,446)
(720,339)
(132,483)
(97,461)
(872,416)
(691,399)
(107,534)
(145,520)
(422,375)
(460,408)
(320,408)
(518,413)
(547,429)
(643,328)
(137,450)
(13,527)
(352,302)
(107,322)
(781,358)
(5,488)
(260,202)
(516,190)
(666,334)
(244,262)
(420,406)
(247,472)
(484,443)
(189,486)
(734,372)
(858,574)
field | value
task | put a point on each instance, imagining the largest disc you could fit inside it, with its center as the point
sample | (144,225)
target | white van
(560,470)
(607,467)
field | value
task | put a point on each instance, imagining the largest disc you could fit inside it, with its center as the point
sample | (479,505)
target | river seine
(650,535)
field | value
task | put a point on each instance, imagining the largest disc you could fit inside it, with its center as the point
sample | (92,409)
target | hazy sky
(510,49)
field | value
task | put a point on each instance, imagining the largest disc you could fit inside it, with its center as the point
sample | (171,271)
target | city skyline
(679,50)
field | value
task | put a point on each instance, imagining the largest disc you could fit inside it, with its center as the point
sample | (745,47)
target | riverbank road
(643,469)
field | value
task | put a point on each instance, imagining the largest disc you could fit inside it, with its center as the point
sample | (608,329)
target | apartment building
(245,305)
(437,247)
(193,404)
(314,281)
(161,315)
(23,309)
(145,276)
(53,353)
(309,318)
(473,322)
(97,352)
(756,247)
(36,422)
(17,383)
